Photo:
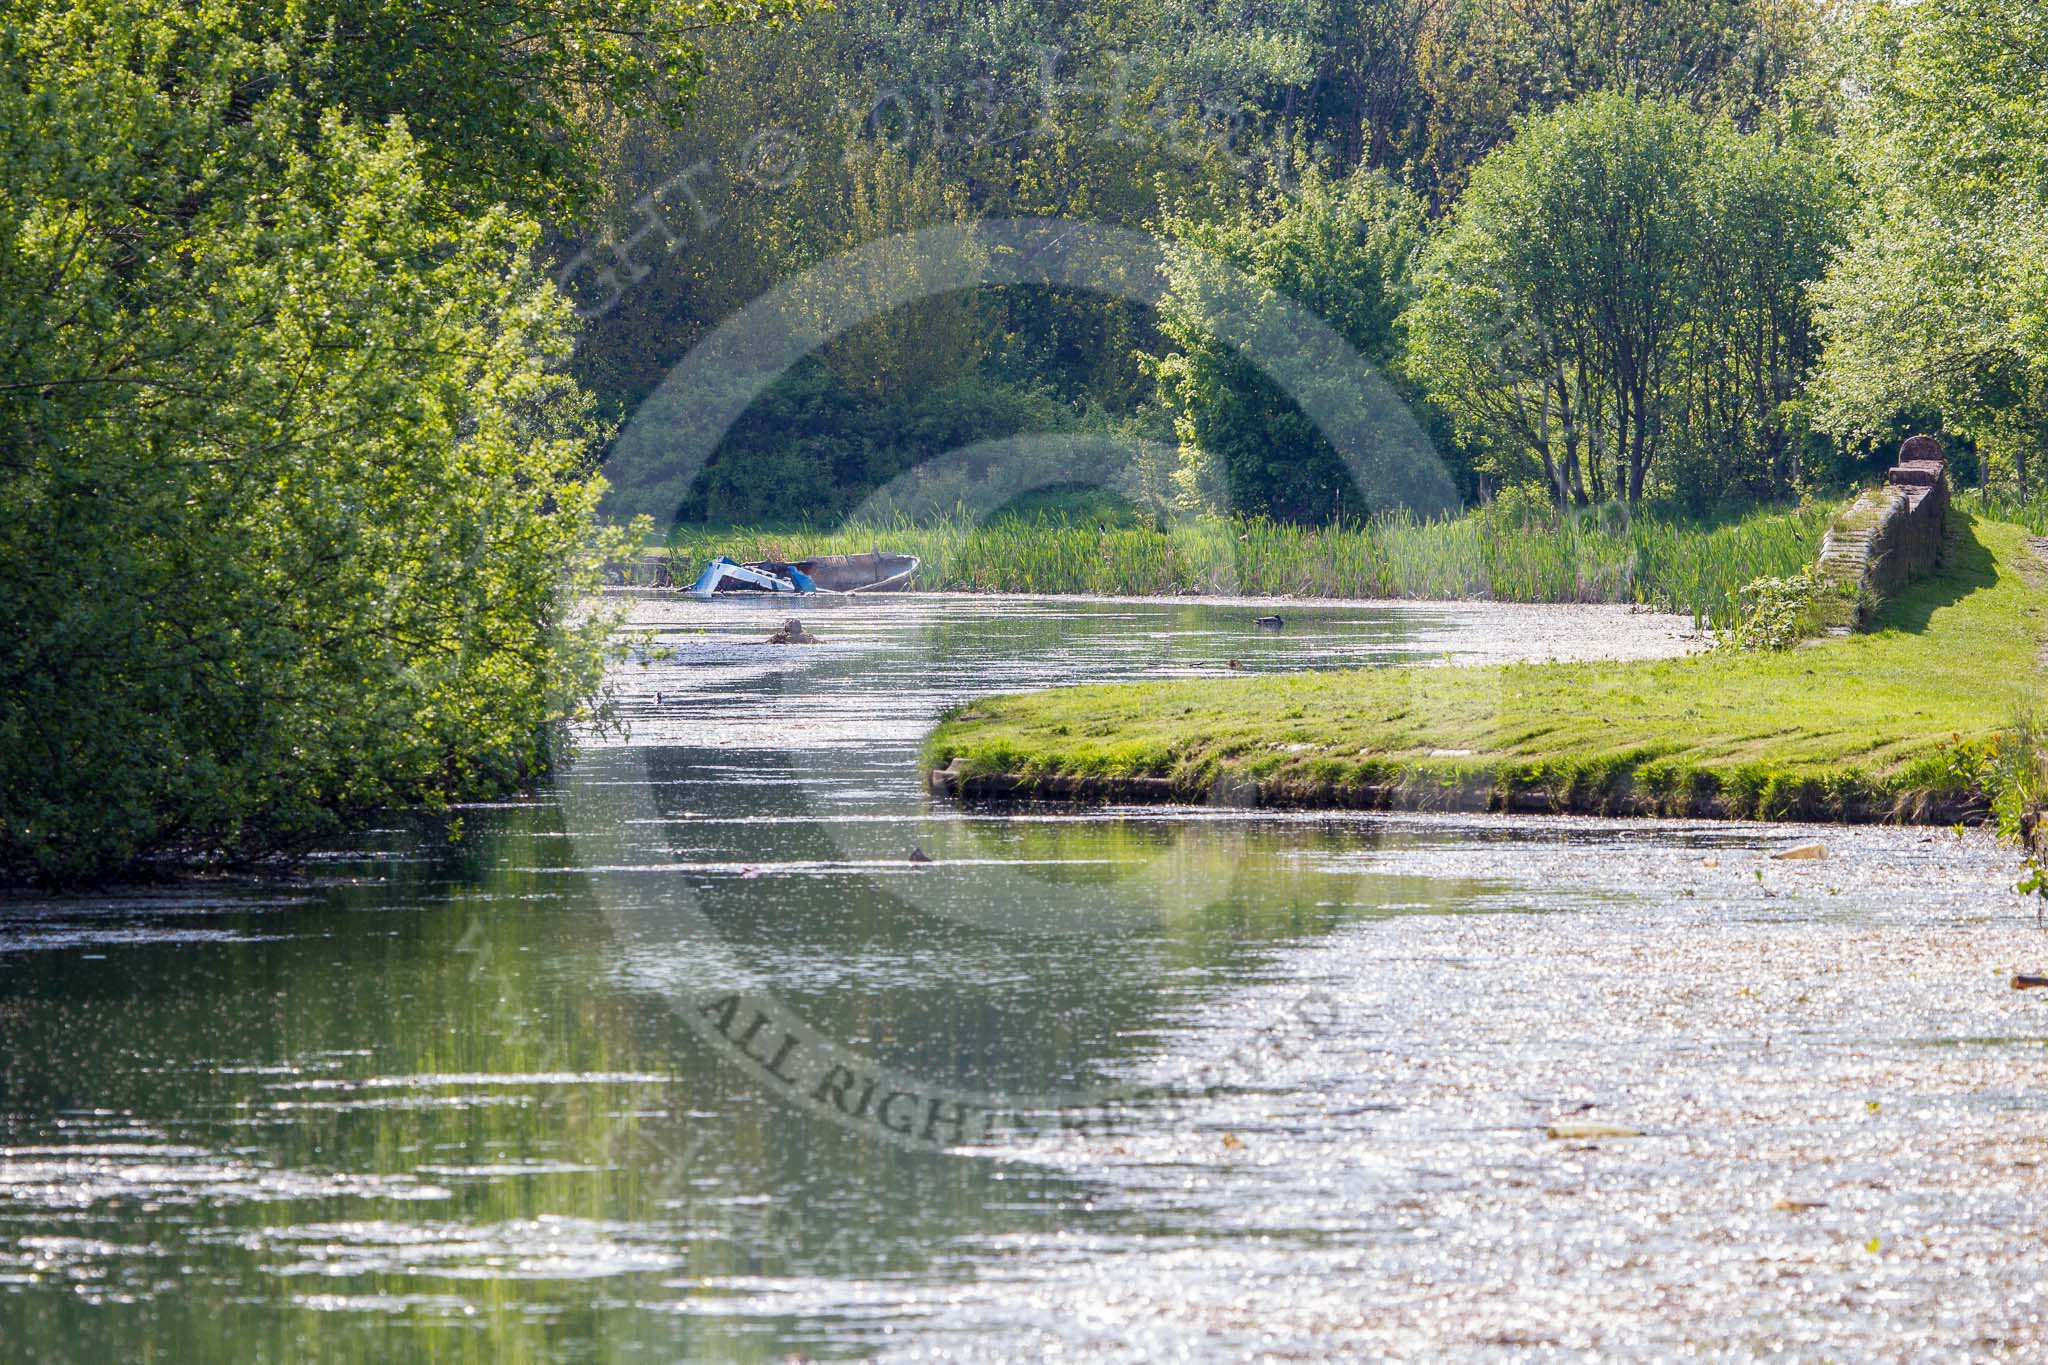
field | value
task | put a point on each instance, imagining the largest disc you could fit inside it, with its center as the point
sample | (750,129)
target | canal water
(733,1045)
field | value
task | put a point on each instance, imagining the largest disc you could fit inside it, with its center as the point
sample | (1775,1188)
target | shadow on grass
(1967,566)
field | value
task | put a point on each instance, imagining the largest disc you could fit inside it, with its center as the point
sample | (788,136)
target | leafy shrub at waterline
(1777,613)
(290,490)
(2010,772)
(2017,778)
(1599,556)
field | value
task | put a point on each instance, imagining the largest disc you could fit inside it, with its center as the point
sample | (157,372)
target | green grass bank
(1900,723)
(1595,556)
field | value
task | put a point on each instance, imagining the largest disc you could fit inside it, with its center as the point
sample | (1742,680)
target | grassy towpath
(1867,727)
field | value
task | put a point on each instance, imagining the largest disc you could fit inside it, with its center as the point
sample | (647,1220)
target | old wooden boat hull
(876,572)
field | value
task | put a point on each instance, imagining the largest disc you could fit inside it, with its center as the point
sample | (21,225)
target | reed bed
(1591,557)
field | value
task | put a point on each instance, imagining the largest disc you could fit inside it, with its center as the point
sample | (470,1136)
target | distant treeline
(1703,255)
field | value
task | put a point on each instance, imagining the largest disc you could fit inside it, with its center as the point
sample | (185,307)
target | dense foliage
(1252,129)
(292,478)
(1344,250)
(1942,300)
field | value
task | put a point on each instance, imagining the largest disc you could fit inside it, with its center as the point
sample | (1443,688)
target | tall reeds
(1590,557)
(2031,513)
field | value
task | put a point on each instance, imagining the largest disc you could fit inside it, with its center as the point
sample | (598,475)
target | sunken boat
(847,574)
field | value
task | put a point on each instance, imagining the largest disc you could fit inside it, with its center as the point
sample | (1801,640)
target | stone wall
(1888,537)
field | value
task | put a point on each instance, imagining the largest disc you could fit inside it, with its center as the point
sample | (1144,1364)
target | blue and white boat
(876,572)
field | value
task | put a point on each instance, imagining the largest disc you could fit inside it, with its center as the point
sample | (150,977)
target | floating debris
(918,855)
(1269,623)
(1802,853)
(792,633)
(1579,1132)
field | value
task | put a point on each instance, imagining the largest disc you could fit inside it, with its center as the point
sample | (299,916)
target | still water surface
(444,1098)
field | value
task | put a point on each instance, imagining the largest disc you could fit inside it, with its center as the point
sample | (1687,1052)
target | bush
(2016,777)
(1522,507)
(2010,772)
(284,532)
(1776,613)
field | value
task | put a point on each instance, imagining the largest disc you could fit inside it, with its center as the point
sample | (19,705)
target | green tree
(1341,248)
(1942,298)
(1115,112)
(1621,282)
(510,101)
(1774,207)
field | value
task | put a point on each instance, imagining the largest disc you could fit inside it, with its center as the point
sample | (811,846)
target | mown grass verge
(1589,557)
(1894,724)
